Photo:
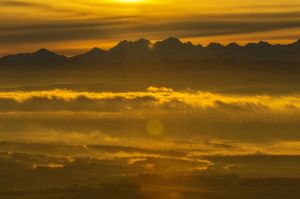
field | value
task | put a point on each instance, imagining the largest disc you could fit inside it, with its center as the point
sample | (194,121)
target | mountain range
(167,62)
(165,51)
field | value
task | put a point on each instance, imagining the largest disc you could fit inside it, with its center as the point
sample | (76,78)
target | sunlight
(130,1)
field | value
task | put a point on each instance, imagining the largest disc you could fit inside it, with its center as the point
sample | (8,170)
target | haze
(72,26)
(149,99)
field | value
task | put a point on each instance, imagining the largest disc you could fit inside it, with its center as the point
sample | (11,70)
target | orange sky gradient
(73,26)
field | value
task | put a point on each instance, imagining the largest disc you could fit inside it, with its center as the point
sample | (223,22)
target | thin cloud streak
(127,26)
(47,24)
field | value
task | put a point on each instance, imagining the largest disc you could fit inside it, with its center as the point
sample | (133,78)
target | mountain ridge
(169,42)
(169,61)
(168,54)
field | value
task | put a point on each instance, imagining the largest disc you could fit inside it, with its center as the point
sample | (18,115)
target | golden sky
(71,26)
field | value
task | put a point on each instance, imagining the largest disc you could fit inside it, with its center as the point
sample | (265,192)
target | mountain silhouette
(42,56)
(169,50)
(167,55)
(94,55)
(127,45)
(169,43)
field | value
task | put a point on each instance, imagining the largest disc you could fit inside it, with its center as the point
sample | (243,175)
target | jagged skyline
(72,26)
(149,99)
(150,44)
(193,65)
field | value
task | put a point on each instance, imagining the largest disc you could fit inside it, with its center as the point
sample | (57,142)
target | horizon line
(154,42)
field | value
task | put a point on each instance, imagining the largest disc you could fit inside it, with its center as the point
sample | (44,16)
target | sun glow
(130,1)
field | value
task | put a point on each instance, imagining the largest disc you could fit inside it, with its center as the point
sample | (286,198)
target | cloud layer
(164,97)
(80,23)
(177,114)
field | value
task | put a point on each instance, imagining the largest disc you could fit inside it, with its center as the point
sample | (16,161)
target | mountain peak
(95,51)
(143,42)
(43,52)
(139,44)
(173,40)
(214,45)
(170,42)
(297,42)
(122,44)
(233,45)
(93,55)
(263,44)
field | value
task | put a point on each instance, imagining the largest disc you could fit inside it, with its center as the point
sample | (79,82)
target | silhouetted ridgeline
(165,62)
(166,51)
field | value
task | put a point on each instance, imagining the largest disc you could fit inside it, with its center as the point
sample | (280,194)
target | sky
(73,26)
(200,120)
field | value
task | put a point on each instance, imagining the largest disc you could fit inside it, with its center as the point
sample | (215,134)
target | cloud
(35,6)
(63,30)
(161,97)
(119,115)
(68,31)
(61,160)
(128,26)
(19,3)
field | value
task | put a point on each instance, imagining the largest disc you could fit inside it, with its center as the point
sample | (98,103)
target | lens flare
(154,127)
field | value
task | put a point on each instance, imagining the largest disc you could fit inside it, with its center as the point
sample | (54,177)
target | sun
(130,1)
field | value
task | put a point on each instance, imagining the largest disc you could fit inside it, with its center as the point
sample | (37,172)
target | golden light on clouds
(103,23)
(121,101)
(160,96)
